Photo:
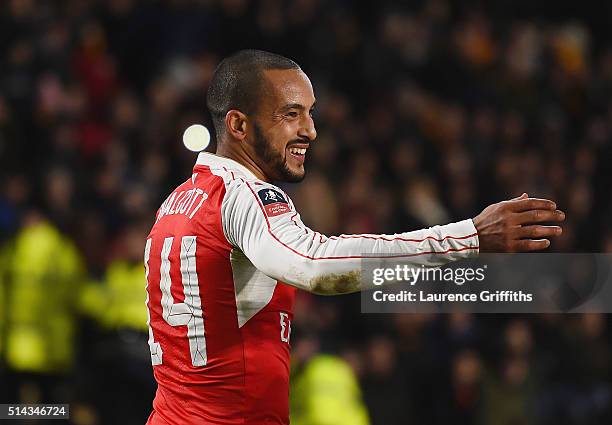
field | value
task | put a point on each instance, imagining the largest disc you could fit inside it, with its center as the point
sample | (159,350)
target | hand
(507,226)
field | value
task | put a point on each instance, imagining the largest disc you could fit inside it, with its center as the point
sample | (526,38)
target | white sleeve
(260,220)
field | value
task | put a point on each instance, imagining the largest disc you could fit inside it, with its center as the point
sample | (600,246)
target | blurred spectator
(327,392)
(117,306)
(43,273)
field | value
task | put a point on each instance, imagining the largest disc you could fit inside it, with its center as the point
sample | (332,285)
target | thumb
(523,196)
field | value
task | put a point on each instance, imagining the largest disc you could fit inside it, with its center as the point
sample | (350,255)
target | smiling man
(228,251)
(275,117)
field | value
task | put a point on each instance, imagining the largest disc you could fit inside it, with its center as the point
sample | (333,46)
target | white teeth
(298,151)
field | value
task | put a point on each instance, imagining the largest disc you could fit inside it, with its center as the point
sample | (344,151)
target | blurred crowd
(426,112)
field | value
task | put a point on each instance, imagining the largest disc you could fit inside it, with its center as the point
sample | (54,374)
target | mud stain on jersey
(336,284)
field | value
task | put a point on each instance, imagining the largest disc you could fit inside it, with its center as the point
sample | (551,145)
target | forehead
(287,86)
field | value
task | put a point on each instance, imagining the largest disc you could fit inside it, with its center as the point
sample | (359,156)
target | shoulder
(269,197)
(242,190)
(251,205)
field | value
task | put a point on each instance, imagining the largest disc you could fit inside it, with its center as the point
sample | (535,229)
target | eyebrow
(296,106)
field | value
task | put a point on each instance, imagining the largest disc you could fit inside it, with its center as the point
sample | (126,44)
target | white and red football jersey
(223,260)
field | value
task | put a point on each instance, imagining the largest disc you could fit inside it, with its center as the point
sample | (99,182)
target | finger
(535,232)
(531,245)
(538,216)
(523,196)
(527,204)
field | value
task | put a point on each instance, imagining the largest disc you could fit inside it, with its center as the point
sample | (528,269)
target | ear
(236,124)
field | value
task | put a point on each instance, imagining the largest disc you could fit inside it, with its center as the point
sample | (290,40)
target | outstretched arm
(261,221)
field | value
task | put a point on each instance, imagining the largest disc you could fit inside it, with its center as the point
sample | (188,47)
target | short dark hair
(237,83)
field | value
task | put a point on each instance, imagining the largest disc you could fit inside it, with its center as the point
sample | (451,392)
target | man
(228,250)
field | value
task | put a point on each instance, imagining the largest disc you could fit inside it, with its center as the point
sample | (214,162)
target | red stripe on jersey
(398,238)
(231,172)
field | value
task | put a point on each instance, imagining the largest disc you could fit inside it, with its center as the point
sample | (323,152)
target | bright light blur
(196,138)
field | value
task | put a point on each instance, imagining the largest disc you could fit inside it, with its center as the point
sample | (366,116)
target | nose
(307,129)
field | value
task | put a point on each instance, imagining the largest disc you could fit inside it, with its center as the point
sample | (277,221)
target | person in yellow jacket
(326,392)
(118,302)
(3,284)
(121,365)
(3,279)
(42,276)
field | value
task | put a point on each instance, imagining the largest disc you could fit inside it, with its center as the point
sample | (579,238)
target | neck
(227,149)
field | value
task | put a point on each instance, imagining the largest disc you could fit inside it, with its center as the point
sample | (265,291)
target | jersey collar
(212,160)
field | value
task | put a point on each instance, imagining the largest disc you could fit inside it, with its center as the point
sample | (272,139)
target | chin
(294,176)
(287,174)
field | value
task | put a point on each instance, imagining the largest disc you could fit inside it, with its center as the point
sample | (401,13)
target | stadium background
(427,112)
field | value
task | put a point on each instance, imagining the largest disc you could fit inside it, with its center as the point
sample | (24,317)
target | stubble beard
(275,161)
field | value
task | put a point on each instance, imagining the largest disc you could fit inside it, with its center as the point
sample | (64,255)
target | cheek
(281,138)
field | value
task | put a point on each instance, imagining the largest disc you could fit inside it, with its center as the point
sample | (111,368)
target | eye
(311,112)
(292,114)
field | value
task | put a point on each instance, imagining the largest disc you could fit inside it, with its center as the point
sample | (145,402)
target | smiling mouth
(298,153)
